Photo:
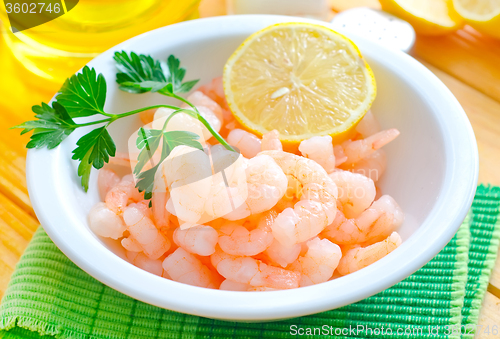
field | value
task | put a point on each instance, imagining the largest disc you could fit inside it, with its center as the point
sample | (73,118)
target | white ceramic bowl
(432,173)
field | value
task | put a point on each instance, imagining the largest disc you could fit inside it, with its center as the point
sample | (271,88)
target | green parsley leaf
(143,86)
(141,74)
(175,73)
(148,141)
(171,139)
(136,69)
(146,179)
(187,86)
(178,138)
(53,126)
(84,169)
(83,94)
(168,90)
(93,149)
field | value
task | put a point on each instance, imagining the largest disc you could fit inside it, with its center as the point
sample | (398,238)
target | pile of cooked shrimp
(266,219)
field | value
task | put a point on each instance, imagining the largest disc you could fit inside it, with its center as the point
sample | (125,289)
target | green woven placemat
(49,296)
(485,231)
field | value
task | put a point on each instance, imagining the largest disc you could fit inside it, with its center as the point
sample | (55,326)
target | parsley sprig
(141,73)
(84,95)
(148,141)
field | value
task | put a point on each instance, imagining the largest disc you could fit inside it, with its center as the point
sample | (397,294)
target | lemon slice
(483,15)
(429,17)
(301,79)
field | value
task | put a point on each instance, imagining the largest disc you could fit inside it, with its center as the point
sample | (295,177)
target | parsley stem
(113,117)
(93,122)
(205,123)
(122,115)
(178,110)
(194,113)
(184,101)
(215,134)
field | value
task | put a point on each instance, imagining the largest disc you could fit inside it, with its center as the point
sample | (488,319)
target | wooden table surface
(467,62)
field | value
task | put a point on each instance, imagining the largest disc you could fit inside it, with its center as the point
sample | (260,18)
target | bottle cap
(378,26)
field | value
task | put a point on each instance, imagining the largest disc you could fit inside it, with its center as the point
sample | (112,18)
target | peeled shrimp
(142,261)
(282,255)
(318,263)
(266,185)
(230,123)
(161,216)
(106,180)
(143,207)
(199,239)
(117,197)
(271,141)
(372,166)
(198,98)
(247,270)
(233,124)
(184,267)
(229,285)
(356,192)
(261,289)
(160,213)
(236,239)
(319,149)
(105,223)
(360,257)
(130,244)
(187,173)
(317,205)
(381,218)
(248,144)
(256,220)
(147,116)
(354,151)
(213,118)
(142,229)
(122,159)
(185,122)
(215,91)
(368,125)
(229,188)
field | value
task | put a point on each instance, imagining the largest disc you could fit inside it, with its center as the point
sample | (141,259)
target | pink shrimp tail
(383,138)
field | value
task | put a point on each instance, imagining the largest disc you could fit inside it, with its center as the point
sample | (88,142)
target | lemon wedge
(302,79)
(428,17)
(483,15)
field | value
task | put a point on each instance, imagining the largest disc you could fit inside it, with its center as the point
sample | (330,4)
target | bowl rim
(46,191)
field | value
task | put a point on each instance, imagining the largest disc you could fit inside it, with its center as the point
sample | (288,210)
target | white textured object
(375,25)
(431,172)
(317,9)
